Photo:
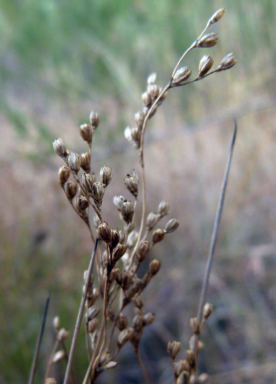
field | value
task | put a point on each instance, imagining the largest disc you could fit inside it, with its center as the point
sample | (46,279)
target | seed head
(180,366)
(227,62)
(59,147)
(205,65)
(163,208)
(92,325)
(115,238)
(94,119)
(92,312)
(124,337)
(71,189)
(98,192)
(106,175)
(127,211)
(131,182)
(195,325)
(146,99)
(207,310)
(158,235)
(154,267)
(153,90)
(207,41)
(183,378)
(148,318)
(64,174)
(86,133)
(143,249)
(88,181)
(85,160)
(217,16)
(118,202)
(58,356)
(121,322)
(190,356)
(119,251)
(139,118)
(152,78)
(173,348)
(82,203)
(62,334)
(137,322)
(104,232)
(181,75)
(151,220)
(171,226)
(74,162)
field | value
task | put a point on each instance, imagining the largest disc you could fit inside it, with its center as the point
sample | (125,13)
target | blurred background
(61,59)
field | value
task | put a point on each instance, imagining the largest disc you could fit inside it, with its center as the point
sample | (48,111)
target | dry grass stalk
(119,254)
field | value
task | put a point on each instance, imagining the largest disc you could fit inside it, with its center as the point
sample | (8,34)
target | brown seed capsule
(92,325)
(227,62)
(151,220)
(137,322)
(217,16)
(64,174)
(154,267)
(58,356)
(181,75)
(139,119)
(56,323)
(205,65)
(127,211)
(148,319)
(115,238)
(203,378)
(59,147)
(193,379)
(173,348)
(118,252)
(207,41)
(94,119)
(98,192)
(180,366)
(131,182)
(118,202)
(153,90)
(85,160)
(86,133)
(121,322)
(62,334)
(74,162)
(195,325)
(124,337)
(71,189)
(190,357)
(92,312)
(105,175)
(88,181)
(207,310)
(183,378)
(146,99)
(138,302)
(171,226)
(143,249)
(163,208)
(104,232)
(82,203)
(157,236)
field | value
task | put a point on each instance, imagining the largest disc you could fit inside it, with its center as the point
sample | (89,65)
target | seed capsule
(154,267)
(124,337)
(127,211)
(86,133)
(158,235)
(207,41)
(58,356)
(106,175)
(74,162)
(148,319)
(173,348)
(98,192)
(71,189)
(59,147)
(62,334)
(163,208)
(151,220)
(104,232)
(181,75)
(85,160)
(207,310)
(131,182)
(227,62)
(217,16)
(64,174)
(205,65)
(94,119)
(171,226)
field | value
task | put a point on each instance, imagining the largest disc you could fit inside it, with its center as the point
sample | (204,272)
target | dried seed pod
(62,334)
(97,192)
(203,378)
(151,220)
(138,302)
(86,133)
(118,252)
(146,99)
(88,180)
(207,310)
(192,341)
(139,118)
(124,337)
(110,313)
(82,203)
(104,232)
(131,182)
(71,189)
(163,208)
(128,136)
(94,119)
(127,211)
(137,322)
(171,226)
(153,90)
(193,379)
(148,319)
(110,365)
(217,16)
(59,147)
(106,175)
(121,322)
(56,323)
(143,249)
(58,356)
(118,275)
(92,312)
(85,160)
(190,357)
(115,238)
(181,75)
(183,378)
(195,325)
(154,267)
(227,62)
(118,202)
(92,325)
(207,41)
(152,78)
(50,380)
(205,65)
(157,236)
(180,366)
(64,174)
(173,348)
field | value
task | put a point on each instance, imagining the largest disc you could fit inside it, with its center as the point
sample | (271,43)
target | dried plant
(112,284)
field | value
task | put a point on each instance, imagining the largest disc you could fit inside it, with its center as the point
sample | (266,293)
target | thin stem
(142,366)
(50,361)
(80,314)
(38,344)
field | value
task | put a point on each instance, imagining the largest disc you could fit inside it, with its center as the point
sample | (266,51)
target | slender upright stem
(80,314)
